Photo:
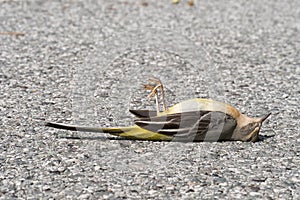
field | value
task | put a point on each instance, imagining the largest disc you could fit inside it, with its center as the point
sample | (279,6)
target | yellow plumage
(136,132)
(198,104)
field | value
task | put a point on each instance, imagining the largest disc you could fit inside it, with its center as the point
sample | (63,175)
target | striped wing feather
(191,126)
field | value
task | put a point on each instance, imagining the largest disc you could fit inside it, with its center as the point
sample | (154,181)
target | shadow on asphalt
(261,138)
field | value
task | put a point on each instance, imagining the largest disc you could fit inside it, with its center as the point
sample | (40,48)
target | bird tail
(113,130)
(130,132)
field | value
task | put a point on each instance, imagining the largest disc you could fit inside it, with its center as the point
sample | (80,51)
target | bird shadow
(91,138)
(261,138)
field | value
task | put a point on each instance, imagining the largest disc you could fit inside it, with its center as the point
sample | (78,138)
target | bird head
(248,128)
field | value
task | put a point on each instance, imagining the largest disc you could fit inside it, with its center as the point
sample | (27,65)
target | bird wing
(191,126)
(144,113)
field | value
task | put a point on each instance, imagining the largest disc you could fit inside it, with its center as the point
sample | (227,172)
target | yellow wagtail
(191,120)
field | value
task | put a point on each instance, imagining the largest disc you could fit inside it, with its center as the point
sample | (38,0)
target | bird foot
(154,92)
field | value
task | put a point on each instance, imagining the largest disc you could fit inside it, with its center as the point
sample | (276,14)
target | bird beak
(262,119)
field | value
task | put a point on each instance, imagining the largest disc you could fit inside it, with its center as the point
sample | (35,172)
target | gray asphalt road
(83,62)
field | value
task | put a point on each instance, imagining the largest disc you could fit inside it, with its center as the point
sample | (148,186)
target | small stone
(170,187)
(152,192)
(254,194)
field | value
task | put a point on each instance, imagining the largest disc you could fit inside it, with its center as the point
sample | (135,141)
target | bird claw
(154,91)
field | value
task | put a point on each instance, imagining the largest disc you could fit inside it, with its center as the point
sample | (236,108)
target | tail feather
(131,132)
(114,131)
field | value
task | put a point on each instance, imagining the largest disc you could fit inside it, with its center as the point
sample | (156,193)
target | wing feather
(144,113)
(192,126)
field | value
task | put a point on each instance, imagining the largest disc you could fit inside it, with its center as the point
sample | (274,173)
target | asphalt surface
(83,62)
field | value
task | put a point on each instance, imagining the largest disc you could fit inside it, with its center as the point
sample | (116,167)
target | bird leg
(154,92)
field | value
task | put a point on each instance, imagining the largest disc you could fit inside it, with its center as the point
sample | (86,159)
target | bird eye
(248,128)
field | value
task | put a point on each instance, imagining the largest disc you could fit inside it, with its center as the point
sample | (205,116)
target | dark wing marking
(171,123)
(191,126)
(144,113)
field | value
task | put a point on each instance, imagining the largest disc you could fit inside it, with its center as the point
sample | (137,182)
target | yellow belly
(202,105)
(139,133)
